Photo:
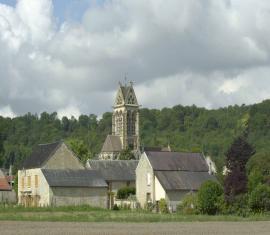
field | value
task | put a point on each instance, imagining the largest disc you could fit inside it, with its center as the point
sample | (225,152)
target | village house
(7,195)
(54,176)
(169,176)
(117,174)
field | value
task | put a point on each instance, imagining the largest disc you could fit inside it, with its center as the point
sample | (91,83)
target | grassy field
(89,214)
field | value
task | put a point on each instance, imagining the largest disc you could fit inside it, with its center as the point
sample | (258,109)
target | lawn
(89,214)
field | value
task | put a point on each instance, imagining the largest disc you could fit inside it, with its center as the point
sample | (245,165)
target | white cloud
(7,112)
(210,53)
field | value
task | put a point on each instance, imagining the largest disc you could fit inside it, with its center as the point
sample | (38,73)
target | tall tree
(236,159)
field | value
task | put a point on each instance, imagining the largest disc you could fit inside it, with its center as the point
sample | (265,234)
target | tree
(259,200)
(126,154)
(79,148)
(236,159)
(209,196)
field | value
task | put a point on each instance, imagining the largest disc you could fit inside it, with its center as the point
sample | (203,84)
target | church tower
(125,119)
(125,124)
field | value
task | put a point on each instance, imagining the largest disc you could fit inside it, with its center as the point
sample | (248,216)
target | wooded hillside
(185,128)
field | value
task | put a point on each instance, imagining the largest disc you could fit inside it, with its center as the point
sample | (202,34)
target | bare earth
(48,228)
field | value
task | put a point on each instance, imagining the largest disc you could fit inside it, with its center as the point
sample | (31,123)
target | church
(125,125)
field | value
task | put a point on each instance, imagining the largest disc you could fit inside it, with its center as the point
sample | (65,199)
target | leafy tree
(125,192)
(236,159)
(259,200)
(209,195)
(79,148)
(126,154)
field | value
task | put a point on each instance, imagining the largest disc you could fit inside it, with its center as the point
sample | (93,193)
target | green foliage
(126,154)
(79,148)
(236,159)
(163,207)
(239,206)
(125,192)
(259,199)
(189,204)
(186,128)
(115,207)
(255,178)
(208,197)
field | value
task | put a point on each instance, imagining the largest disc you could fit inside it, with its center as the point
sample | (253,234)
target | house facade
(47,177)
(169,175)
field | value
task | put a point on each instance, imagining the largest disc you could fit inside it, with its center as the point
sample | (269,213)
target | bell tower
(125,118)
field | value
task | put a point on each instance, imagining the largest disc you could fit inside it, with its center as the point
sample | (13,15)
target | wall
(40,193)
(142,188)
(64,196)
(63,159)
(159,191)
(8,197)
(173,198)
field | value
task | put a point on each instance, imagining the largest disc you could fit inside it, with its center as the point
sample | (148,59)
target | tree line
(184,128)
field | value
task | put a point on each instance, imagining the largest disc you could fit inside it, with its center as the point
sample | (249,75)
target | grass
(90,214)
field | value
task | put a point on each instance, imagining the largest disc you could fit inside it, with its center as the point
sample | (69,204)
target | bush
(239,206)
(115,207)
(208,197)
(149,206)
(259,199)
(125,192)
(163,207)
(189,204)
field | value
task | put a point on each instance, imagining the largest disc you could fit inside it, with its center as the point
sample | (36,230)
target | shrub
(189,204)
(259,199)
(125,192)
(149,206)
(239,206)
(163,207)
(115,207)
(208,197)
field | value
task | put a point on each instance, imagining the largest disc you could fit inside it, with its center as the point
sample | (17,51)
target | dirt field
(48,228)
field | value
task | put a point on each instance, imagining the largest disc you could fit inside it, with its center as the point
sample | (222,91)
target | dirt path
(48,228)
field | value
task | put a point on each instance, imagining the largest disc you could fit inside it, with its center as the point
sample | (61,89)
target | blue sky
(66,9)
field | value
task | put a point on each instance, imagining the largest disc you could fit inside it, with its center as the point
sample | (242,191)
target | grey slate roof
(112,144)
(40,155)
(175,161)
(115,170)
(182,180)
(74,178)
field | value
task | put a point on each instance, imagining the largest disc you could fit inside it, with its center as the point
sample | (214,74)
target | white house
(169,175)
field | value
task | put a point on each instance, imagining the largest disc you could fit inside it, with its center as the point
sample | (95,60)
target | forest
(184,128)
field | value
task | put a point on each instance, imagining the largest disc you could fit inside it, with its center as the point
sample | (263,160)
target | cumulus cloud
(209,53)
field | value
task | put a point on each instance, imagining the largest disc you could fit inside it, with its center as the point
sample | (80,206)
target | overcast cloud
(210,53)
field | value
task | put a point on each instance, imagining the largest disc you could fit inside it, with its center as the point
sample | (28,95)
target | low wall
(8,197)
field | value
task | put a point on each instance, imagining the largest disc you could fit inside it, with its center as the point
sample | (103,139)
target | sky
(68,56)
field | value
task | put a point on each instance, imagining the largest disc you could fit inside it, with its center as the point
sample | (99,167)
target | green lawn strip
(121,216)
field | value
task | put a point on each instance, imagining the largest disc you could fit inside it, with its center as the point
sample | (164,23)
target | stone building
(54,176)
(169,175)
(125,124)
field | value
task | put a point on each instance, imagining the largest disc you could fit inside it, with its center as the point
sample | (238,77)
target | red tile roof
(4,186)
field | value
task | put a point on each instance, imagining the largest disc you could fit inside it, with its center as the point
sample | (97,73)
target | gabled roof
(176,161)
(115,170)
(112,144)
(182,180)
(123,95)
(4,186)
(40,155)
(74,178)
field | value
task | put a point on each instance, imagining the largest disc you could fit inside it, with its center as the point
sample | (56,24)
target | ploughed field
(40,228)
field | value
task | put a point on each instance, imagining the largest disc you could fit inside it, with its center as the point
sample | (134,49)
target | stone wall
(8,197)
(63,158)
(65,196)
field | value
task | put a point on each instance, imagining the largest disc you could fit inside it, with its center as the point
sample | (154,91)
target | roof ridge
(56,142)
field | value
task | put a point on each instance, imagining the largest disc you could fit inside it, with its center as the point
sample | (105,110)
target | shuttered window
(28,181)
(36,181)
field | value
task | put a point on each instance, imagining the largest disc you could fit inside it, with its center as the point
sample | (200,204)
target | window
(28,181)
(148,197)
(36,181)
(22,183)
(148,179)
